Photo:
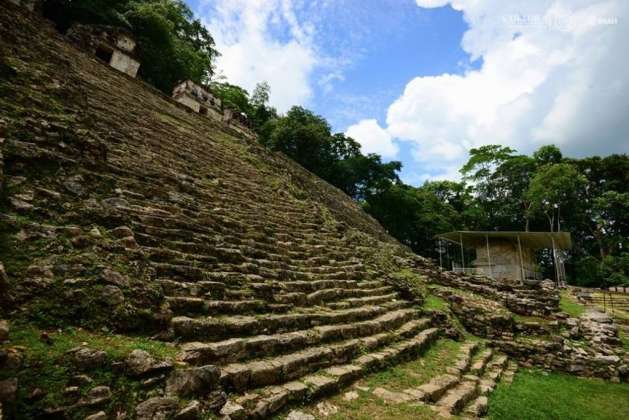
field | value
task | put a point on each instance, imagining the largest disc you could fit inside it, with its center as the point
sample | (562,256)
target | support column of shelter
(555,261)
(491,270)
(462,254)
(521,259)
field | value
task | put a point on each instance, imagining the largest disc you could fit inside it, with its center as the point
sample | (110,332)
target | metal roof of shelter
(532,240)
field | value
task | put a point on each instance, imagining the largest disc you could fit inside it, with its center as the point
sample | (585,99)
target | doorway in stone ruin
(104,53)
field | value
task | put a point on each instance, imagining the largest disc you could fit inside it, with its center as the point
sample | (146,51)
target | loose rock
(190,411)
(194,381)
(115,278)
(85,358)
(140,363)
(350,396)
(156,408)
(96,395)
(299,415)
(327,409)
(97,416)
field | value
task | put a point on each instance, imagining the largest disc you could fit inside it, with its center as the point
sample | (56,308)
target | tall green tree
(552,188)
(412,215)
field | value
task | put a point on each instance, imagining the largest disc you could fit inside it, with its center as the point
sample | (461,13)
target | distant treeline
(500,189)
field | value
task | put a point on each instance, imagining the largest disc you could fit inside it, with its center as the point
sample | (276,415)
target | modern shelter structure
(508,256)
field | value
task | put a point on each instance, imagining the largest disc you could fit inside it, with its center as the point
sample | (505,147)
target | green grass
(569,305)
(624,338)
(414,373)
(116,346)
(46,368)
(534,395)
(435,302)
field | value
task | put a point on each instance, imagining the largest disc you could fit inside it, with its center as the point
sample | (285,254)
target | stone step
(454,400)
(464,359)
(283,368)
(477,407)
(433,390)
(193,305)
(179,271)
(398,304)
(478,365)
(219,328)
(212,289)
(237,349)
(358,302)
(265,401)
(509,372)
(334,294)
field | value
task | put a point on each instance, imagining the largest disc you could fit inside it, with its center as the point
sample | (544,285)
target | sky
(424,81)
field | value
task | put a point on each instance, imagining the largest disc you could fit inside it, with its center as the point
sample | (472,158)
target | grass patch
(534,395)
(433,302)
(529,318)
(45,367)
(416,372)
(116,346)
(624,338)
(569,305)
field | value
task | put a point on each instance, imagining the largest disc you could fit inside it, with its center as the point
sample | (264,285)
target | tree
(232,96)
(499,179)
(484,159)
(610,213)
(412,215)
(552,187)
(303,136)
(261,94)
(547,155)
(261,112)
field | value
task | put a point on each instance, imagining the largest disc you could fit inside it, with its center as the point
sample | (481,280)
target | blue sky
(423,81)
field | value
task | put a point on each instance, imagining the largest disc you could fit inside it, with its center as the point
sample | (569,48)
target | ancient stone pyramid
(148,217)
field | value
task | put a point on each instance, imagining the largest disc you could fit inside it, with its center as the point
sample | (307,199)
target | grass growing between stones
(535,395)
(436,303)
(46,368)
(624,338)
(569,305)
(116,346)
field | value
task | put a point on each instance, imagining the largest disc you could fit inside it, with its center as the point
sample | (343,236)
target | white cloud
(264,41)
(372,138)
(553,71)
(431,3)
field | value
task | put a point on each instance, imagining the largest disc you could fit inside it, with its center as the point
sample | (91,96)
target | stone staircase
(463,390)
(245,260)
